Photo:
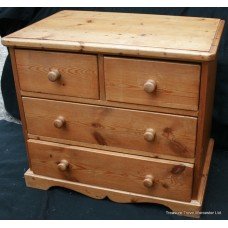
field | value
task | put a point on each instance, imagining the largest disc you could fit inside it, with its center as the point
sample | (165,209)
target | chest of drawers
(118,105)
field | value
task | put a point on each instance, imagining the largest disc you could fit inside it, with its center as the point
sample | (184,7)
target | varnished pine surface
(172,180)
(190,209)
(112,127)
(143,35)
(208,78)
(196,42)
(106,103)
(78,73)
(114,149)
(177,84)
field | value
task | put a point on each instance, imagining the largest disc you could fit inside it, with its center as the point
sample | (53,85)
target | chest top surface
(143,35)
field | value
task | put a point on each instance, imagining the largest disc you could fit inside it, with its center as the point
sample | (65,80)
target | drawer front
(58,73)
(156,83)
(154,177)
(112,127)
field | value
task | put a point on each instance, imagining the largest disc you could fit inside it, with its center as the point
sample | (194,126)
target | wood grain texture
(172,180)
(208,77)
(189,209)
(114,149)
(217,38)
(111,104)
(112,127)
(79,73)
(100,59)
(205,172)
(141,35)
(19,99)
(177,84)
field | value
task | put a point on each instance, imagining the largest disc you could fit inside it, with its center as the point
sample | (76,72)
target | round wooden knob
(150,86)
(54,75)
(63,165)
(59,122)
(149,135)
(148,181)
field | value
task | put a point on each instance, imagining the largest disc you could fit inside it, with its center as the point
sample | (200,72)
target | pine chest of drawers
(118,105)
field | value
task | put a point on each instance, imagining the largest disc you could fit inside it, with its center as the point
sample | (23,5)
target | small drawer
(58,73)
(143,133)
(148,176)
(156,83)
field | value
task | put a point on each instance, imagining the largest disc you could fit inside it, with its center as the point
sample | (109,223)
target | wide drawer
(58,73)
(112,127)
(157,83)
(130,173)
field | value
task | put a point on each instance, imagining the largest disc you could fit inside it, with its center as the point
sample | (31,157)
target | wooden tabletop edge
(116,49)
(216,41)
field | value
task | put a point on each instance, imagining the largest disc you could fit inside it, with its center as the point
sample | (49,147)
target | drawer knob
(54,75)
(59,122)
(149,135)
(148,181)
(63,165)
(150,86)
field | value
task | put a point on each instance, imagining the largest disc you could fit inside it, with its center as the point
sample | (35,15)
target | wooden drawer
(112,127)
(130,173)
(157,83)
(77,73)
